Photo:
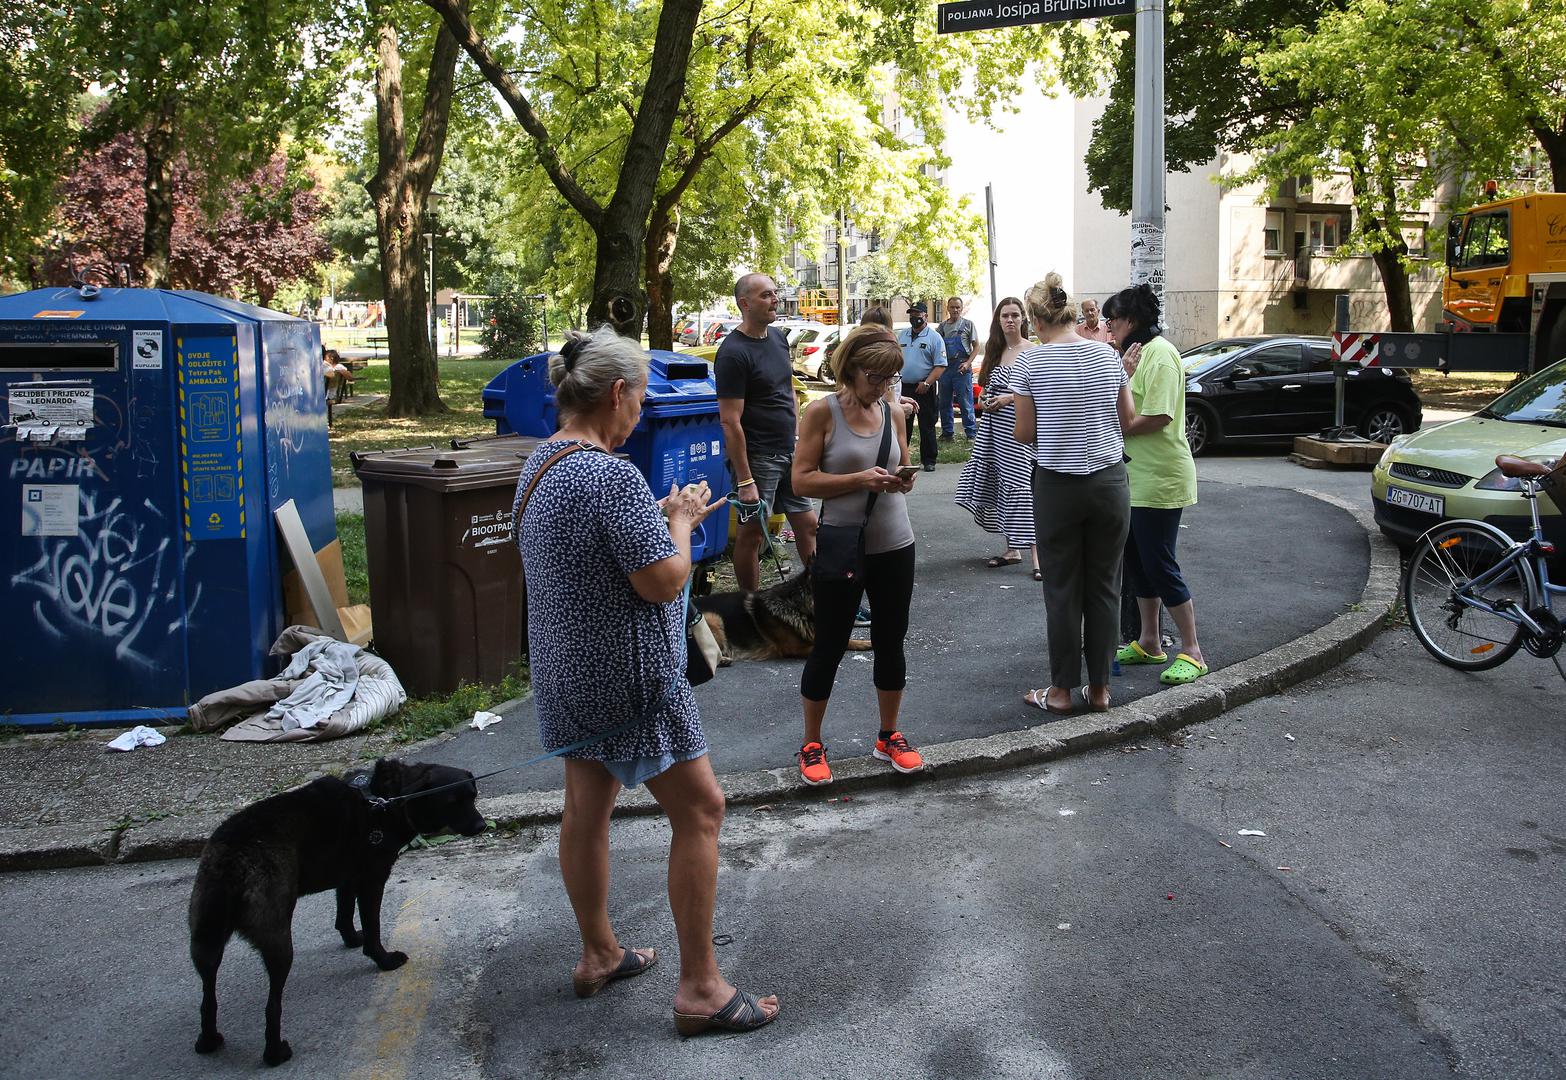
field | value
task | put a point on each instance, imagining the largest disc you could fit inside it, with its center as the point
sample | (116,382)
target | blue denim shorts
(643,769)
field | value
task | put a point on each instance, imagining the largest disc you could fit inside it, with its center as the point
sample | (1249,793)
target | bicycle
(1474,596)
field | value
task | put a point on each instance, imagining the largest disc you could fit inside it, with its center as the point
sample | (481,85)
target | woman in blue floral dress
(605,565)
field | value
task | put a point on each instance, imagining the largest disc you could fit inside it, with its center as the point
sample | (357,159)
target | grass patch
(955,452)
(421,718)
(366,428)
(1469,390)
(356,567)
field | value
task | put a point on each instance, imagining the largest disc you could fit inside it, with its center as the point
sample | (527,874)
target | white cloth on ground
(377,694)
(331,682)
(141,735)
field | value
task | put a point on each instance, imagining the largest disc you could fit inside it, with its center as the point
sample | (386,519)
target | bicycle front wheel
(1455,619)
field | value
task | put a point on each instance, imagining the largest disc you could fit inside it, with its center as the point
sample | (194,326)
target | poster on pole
(992,14)
(1147,257)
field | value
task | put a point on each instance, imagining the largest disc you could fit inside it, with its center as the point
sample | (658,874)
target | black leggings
(888,581)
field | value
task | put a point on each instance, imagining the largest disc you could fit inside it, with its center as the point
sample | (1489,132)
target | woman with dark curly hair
(1163,483)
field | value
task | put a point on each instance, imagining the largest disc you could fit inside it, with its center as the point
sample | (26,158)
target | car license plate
(1414,500)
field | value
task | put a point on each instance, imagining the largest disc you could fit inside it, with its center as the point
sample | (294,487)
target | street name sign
(990,14)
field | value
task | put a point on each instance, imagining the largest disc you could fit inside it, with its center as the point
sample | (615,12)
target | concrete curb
(1227,688)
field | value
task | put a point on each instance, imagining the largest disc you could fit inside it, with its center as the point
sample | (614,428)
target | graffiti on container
(109,581)
(296,407)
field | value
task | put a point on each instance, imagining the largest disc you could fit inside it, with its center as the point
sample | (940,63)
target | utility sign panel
(212,489)
(991,14)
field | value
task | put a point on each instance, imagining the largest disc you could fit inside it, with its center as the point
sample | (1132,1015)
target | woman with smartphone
(996,483)
(849,450)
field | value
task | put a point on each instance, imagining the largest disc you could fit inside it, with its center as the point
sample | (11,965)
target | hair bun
(569,350)
(1057,296)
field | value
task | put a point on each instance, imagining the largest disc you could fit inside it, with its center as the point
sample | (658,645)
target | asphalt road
(1101,918)
(1266,564)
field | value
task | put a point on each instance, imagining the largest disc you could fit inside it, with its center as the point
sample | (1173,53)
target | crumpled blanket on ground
(329,689)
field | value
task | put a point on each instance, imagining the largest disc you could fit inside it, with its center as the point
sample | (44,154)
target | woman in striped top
(1072,399)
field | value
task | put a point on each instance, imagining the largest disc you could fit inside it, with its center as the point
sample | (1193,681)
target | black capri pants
(888,581)
(1150,556)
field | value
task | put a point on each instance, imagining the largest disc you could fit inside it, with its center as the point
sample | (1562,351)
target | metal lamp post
(431,204)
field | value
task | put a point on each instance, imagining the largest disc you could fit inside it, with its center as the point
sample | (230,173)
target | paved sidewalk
(1287,585)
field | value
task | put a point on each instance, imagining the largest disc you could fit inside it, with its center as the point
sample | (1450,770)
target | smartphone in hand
(905,472)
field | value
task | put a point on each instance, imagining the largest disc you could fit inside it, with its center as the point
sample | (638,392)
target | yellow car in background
(1448,470)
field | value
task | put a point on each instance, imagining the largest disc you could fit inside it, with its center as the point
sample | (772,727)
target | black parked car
(1270,389)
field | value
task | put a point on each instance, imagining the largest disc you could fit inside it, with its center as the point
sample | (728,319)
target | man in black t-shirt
(760,420)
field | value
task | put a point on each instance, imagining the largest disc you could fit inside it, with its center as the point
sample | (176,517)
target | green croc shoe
(1135,654)
(1183,670)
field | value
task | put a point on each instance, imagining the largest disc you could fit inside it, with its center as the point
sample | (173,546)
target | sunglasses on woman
(879,380)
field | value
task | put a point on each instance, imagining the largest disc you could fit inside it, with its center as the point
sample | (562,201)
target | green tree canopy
(774,91)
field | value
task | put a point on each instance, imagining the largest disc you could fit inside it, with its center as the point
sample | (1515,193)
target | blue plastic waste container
(145,439)
(679,439)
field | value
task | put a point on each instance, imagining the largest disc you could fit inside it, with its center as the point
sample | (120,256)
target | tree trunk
(1554,144)
(158,188)
(1394,283)
(618,298)
(662,233)
(399,191)
(617,295)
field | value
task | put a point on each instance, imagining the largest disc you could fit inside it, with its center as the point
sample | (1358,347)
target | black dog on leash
(330,834)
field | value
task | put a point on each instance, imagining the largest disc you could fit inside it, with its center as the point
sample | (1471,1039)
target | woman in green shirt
(1163,482)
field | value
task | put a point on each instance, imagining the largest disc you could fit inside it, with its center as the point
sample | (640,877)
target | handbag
(702,654)
(840,549)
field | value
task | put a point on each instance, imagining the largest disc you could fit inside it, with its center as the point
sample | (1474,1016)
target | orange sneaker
(813,767)
(904,758)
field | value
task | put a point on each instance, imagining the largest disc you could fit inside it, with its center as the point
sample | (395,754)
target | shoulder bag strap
(516,525)
(881,456)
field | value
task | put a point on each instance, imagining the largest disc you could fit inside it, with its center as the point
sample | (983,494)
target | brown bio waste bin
(445,576)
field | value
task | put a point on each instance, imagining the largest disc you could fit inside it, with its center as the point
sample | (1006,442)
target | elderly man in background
(1090,326)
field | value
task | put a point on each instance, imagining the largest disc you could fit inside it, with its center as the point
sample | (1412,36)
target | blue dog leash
(744,511)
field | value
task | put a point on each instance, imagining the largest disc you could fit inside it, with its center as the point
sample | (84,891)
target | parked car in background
(1272,388)
(1448,471)
(691,327)
(794,329)
(811,351)
(717,330)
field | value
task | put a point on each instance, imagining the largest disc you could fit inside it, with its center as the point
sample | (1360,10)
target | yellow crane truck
(1503,303)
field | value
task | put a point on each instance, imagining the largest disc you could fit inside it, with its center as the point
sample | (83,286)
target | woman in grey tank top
(838,460)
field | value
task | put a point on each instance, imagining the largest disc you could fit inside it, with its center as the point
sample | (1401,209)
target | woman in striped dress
(996,483)
(1072,402)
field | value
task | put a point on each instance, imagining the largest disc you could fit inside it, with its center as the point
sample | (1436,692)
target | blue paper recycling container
(678,440)
(147,436)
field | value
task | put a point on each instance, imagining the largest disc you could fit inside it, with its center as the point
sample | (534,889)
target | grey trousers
(1081,524)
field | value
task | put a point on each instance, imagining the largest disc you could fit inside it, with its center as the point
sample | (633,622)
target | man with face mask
(924,362)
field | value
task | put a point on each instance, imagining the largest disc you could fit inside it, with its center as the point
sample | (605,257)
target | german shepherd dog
(329,834)
(777,623)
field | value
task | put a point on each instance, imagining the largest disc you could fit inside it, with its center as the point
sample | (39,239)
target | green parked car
(1448,471)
